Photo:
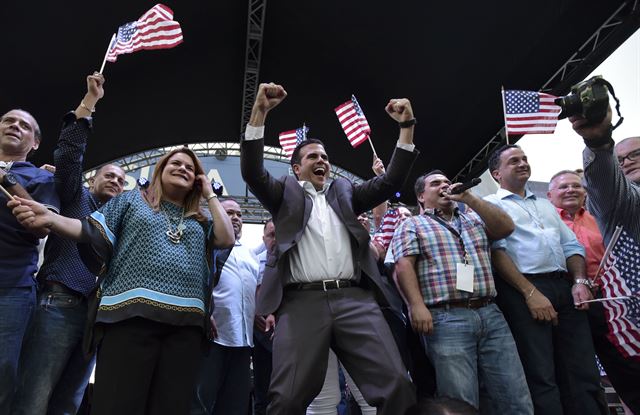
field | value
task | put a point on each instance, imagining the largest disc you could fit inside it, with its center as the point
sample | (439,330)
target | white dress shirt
(235,298)
(324,250)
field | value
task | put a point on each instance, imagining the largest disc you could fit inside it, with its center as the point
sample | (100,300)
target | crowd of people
(475,305)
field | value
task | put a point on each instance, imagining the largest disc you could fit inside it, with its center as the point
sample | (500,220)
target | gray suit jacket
(290,207)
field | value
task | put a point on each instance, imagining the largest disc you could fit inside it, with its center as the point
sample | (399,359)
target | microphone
(468,185)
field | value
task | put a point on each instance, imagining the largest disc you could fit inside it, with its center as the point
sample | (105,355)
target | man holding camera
(612,179)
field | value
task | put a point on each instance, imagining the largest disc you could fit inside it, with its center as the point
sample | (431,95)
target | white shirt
(235,298)
(324,250)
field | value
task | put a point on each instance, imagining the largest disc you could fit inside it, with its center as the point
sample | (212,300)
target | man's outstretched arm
(262,184)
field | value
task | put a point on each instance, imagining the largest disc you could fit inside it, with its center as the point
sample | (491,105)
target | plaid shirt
(438,250)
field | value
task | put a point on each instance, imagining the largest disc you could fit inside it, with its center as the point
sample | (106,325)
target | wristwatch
(408,123)
(9,180)
(583,281)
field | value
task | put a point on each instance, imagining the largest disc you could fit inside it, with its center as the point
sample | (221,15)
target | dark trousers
(146,367)
(223,384)
(559,361)
(261,370)
(350,322)
(623,373)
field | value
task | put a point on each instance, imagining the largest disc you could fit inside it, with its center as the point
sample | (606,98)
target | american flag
(353,122)
(384,234)
(621,277)
(530,112)
(156,29)
(290,139)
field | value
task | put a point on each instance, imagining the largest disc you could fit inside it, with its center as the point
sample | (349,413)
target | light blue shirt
(541,241)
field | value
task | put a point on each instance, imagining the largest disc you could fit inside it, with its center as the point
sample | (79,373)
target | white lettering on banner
(215,175)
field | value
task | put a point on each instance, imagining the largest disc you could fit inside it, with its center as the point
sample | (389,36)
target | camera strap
(613,94)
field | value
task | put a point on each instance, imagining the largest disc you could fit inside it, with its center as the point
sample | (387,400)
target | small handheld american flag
(353,122)
(156,29)
(530,112)
(621,279)
(290,139)
(384,234)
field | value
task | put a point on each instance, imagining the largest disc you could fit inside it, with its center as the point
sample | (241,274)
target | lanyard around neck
(455,233)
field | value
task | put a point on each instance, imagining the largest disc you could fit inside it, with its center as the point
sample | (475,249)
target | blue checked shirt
(62,262)
(438,250)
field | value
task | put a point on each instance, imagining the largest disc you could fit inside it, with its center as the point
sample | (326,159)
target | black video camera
(589,99)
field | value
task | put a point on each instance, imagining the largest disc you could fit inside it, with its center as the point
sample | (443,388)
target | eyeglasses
(633,156)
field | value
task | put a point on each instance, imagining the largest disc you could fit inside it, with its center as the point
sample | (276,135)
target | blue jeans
(16,310)
(469,346)
(53,372)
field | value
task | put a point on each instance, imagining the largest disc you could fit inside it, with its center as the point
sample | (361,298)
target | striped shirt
(438,250)
(613,199)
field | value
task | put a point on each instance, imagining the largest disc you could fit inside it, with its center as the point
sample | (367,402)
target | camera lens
(570,104)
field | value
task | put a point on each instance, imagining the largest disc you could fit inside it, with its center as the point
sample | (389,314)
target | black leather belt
(56,287)
(473,303)
(552,274)
(321,285)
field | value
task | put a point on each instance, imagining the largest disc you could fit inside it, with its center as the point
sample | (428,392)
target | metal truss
(587,54)
(255,30)
(620,25)
(252,210)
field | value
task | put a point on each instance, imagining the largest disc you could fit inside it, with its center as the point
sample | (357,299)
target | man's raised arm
(612,197)
(69,153)
(260,182)
(375,191)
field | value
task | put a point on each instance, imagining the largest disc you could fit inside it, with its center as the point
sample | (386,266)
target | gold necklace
(175,236)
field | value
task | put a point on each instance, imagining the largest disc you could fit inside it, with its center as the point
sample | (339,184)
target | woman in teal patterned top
(150,251)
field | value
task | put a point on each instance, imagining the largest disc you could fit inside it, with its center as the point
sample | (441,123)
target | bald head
(628,153)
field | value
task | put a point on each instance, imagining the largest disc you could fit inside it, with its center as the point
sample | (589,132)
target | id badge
(464,277)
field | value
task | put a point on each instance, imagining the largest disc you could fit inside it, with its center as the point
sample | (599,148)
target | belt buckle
(324,284)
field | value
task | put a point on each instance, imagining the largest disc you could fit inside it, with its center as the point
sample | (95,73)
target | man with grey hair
(568,196)
(612,181)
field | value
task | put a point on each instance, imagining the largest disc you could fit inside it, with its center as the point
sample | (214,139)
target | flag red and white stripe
(621,279)
(289,140)
(530,112)
(384,234)
(156,29)
(353,122)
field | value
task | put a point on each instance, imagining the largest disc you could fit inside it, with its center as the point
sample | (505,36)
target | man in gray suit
(321,279)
